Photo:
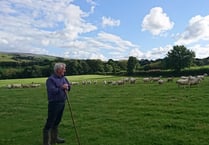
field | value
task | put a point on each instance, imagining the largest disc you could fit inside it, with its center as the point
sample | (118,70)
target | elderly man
(56,85)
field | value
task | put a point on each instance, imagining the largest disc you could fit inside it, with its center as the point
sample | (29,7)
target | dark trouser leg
(56,136)
(55,112)
(55,128)
(46,137)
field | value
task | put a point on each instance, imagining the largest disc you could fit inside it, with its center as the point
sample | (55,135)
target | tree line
(23,66)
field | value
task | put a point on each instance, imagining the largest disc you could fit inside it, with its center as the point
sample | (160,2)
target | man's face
(61,71)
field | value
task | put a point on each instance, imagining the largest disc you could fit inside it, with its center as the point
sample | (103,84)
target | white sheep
(16,85)
(160,81)
(194,81)
(183,82)
(132,80)
(120,82)
(146,80)
(75,83)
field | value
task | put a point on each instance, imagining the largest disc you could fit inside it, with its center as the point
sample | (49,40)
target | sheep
(114,83)
(126,79)
(120,82)
(95,82)
(169,79)
(74,83)
(132,80)
(155,79)
(160,81)
(183,82)
(34,85)
(146,80)
(84,82)
(184,77)
(26,85)
(201,77)
(191,80)
(16,85)
(194,81)
(9,86)
(104,82)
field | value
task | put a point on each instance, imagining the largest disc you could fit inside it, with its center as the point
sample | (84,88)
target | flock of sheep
(182,81)
(130,80)
(32,85)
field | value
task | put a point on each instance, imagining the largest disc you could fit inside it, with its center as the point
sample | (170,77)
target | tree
(131,66)
(115,67)
(179,57)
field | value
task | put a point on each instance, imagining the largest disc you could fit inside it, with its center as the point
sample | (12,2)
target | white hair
(58,66)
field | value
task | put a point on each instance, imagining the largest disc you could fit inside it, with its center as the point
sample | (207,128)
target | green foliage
(18,65)
(132,64)
(145,114)
(179,57)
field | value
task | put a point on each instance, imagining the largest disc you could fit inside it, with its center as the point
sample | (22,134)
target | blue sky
(104,29)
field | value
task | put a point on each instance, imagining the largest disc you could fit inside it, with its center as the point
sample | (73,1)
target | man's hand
(65,86)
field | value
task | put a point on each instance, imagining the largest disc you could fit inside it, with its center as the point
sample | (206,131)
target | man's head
(59,69)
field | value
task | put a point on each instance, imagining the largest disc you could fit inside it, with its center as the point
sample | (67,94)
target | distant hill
(15,57)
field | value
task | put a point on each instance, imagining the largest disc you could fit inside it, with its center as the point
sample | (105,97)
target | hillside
(15,57)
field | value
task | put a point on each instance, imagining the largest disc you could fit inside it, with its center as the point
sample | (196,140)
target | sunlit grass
(139,114)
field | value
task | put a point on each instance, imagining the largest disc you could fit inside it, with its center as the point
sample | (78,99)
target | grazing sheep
(34,85)
(169,79)
(183,82)
(74,83)
(201,77)
(132,80)
(114,83)
(16,85)
(95,82)
(155,79)
(126,79)
(26,85)
(160,81)
(147,80)
(89,82)
(84,82)
(104,82)
(194,81)
(120,82)
(9,86)
(184,77)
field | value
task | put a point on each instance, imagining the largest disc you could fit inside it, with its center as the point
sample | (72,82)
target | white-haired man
(57,85)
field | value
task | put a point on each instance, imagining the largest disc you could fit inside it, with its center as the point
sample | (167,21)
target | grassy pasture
(139,114)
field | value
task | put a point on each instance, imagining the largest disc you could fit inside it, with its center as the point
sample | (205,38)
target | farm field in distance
(129,114)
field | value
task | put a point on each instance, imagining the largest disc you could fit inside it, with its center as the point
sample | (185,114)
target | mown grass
(140,114)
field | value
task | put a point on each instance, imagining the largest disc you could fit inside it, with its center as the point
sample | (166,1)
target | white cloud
(107,21)
(157,53)
(200,51)
(157,21)
(39,24)
(198,29)
(103,44)
(136,53)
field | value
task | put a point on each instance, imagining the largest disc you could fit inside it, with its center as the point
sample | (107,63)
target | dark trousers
(55,112)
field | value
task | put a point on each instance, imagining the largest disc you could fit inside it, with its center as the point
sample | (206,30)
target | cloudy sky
(104,29)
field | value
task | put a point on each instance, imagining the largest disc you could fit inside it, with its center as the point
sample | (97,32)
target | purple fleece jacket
(54,88)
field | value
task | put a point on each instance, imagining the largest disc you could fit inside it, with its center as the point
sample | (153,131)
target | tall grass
(139,114)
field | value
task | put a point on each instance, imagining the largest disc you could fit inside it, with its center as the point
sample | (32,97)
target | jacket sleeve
(52,88)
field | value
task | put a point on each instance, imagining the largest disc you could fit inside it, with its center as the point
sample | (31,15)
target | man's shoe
(60,140)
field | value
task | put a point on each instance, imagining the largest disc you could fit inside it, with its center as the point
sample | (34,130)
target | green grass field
(133,114)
